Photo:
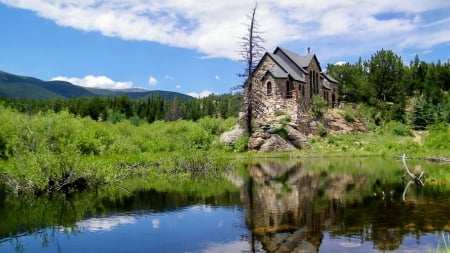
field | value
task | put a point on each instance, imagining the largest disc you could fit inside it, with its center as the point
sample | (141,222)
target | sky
(192,47)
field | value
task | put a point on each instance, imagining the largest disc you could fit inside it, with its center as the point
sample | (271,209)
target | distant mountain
(137,93)
(15,86)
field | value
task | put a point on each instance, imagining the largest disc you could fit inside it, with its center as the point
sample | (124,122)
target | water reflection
(291,207)
(341,205)
(104,223)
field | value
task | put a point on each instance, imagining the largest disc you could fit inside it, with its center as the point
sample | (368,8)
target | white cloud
(214,28)
(177,86)
(204,93)
(91,81)
(217,77)
(168,77)
(152,81)
(104,224)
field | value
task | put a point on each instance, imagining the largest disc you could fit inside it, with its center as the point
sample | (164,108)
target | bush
(282,132)
(321,130)
(437,134)
(318,106)
(241,145)
(3,148)
(349,114)
(284,121)
(398,128)
(279,113)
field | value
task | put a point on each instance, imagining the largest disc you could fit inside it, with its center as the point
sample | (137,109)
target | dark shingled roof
(289,69)
(301,61)
(278,72)
(291,64)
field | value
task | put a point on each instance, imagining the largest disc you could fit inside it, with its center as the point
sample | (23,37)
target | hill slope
(15,86)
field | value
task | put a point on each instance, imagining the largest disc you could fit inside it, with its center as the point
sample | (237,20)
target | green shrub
(319,106)
(284,121)
(398,128)
(349,114)
(282,132)
(279,113)
(88,146)
(199,138)
(241,144)
(3,148)
(214,126)
(437,136)
(321,130)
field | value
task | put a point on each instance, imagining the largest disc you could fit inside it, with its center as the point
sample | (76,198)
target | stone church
(286,82)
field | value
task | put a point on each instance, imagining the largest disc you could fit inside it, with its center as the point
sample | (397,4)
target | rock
(275,144)
(337,124)
(298,139)
(255,143)
(230,137)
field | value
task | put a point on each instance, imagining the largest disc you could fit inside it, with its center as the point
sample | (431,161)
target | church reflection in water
(289,208)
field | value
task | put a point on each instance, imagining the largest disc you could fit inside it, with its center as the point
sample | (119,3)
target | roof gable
(288,67)
(301,61)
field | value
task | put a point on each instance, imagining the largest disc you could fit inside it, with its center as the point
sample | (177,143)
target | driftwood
(418,180)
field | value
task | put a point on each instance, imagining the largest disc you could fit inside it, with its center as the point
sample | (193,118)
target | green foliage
(422,115)
(284,121)
(438,137)
(54,151)
(279,113)
(398,128)
(282,132)
(241,144)
(3,148)
(349,114)
(322,131)
(319,106)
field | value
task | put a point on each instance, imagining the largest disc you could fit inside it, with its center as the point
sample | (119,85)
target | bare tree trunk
(251,52)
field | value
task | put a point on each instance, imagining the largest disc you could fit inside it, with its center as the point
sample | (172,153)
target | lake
(306,205)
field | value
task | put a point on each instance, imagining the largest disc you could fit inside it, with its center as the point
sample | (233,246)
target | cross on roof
(309,50)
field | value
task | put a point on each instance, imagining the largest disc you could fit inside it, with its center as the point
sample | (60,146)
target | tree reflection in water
(291,206)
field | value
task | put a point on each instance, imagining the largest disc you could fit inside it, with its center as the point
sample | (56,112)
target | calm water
(302,206)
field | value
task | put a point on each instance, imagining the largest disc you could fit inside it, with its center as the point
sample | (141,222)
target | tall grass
(444,244)
(49,151)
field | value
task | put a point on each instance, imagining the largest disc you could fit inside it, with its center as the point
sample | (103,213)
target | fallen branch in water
(414,179)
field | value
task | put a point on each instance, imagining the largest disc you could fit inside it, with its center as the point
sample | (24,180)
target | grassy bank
(50,152)
(59,152)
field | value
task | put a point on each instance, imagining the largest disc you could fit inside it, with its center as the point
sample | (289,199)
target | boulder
(338,125)
(297,138)
(276,144)
(255,143)
(230,137)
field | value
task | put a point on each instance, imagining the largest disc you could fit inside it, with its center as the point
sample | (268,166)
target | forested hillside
(394,88)
(148,109)
(14,86)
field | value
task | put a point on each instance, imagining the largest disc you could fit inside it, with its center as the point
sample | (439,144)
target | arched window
(289,89)
(269,88)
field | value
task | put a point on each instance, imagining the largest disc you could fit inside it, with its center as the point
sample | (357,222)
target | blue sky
(191,46)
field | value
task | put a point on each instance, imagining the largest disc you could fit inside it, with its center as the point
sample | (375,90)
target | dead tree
(251,52)
(418,180)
